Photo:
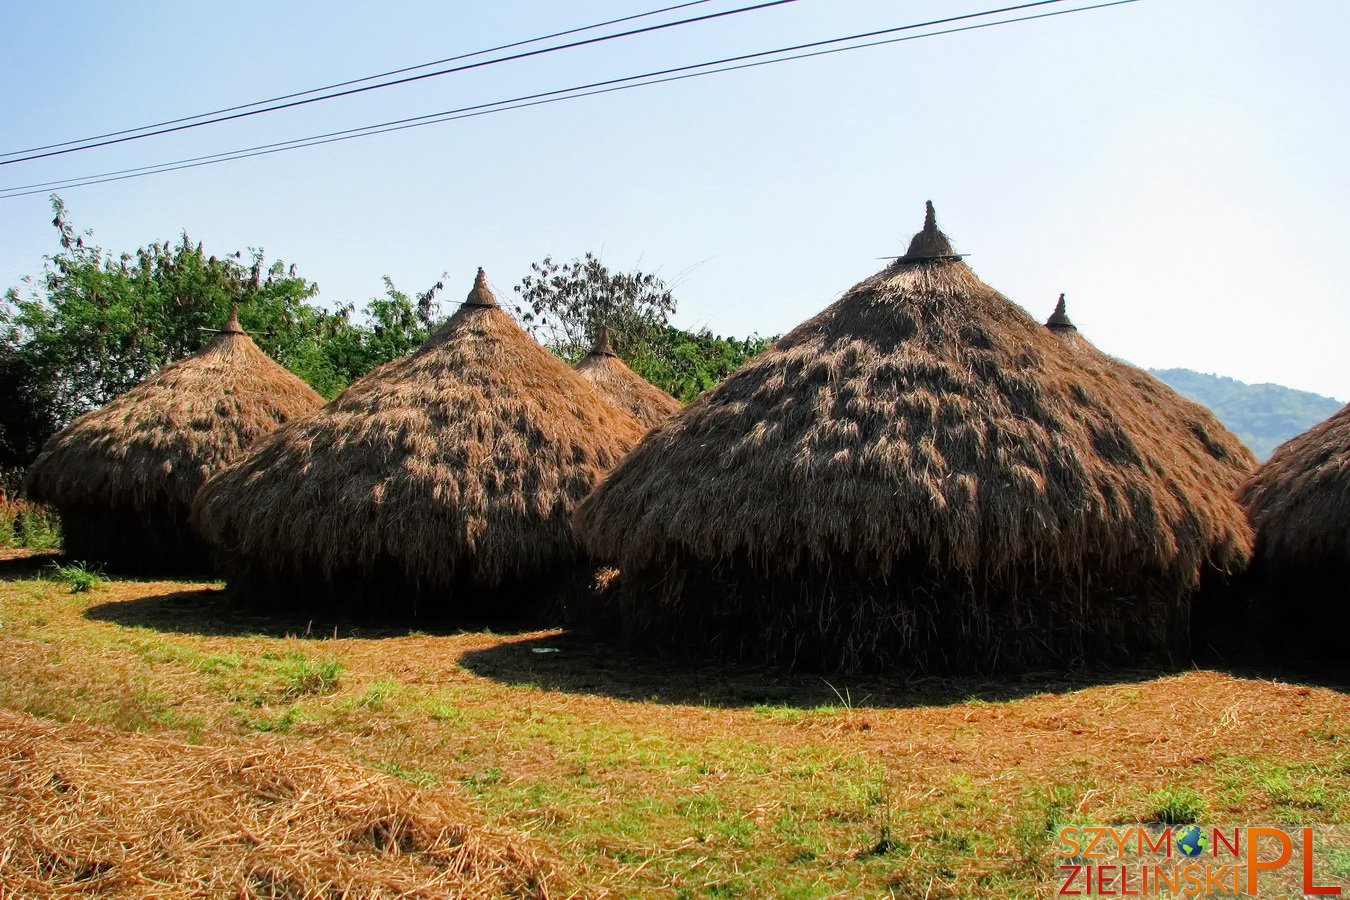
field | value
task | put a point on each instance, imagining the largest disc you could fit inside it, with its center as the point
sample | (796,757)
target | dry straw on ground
(920,477)
(90,811)
(123,477)
(455,468)
(623,387)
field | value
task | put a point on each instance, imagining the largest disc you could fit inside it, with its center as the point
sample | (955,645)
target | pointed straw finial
(1059,319)
(930,243)
(481,295)
(232,325)
(603,347)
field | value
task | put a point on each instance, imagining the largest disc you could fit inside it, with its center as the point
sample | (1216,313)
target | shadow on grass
(1331,673)
(578,662)
(214,612)
(17,565)
(584,663)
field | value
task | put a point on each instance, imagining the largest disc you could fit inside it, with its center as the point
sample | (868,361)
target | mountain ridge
(1262,415)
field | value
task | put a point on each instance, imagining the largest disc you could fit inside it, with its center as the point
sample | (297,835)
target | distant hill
(1262,415)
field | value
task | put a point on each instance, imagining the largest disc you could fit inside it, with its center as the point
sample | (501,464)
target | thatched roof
(459,462)
(623,387)
(924,434)
(158,442)
(1299,501)
(1199,438)
(922,411)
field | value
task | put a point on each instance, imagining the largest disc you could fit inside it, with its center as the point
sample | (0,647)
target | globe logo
(1191,841)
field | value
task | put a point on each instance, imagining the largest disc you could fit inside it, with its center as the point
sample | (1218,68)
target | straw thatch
(1299,504)
(1203,444)
(623,387)
(452,470)
(920,477)
(1200,439)
(123,477)
(88,811)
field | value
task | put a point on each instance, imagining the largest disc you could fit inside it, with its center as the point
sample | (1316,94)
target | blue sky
(1177,167)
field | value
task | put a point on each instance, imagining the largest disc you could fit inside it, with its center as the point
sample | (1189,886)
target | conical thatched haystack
(1299,504)
(453,469)
(623,387)
(1203,445)
(918,478)
(123,477)
(1201,440)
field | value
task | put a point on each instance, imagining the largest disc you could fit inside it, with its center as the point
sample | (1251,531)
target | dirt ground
(638,776)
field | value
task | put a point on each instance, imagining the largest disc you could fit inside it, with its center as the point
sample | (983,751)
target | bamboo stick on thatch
(123,477)
(447,473)
(917,478)
(623,387)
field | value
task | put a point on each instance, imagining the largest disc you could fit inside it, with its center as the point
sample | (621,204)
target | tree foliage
(565,304)
(686,363)
(27,413)
(93,324)
(387,327)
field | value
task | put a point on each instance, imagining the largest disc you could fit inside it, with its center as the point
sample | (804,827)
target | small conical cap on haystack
(1299,501)
(458,463)
(930,242)
(1210,447)
(921,420)
(160,440)
(623,387)
(1059,319)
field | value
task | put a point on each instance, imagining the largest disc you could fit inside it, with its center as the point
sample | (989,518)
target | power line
(340,84)
(406,80)
(573,93)
(539,99)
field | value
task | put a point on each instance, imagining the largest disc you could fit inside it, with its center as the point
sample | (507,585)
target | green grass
(302,676)
(1174,806)
(787,798)
(1296,792)
(420,777)
(78,575)
(28,526)
(1338,862)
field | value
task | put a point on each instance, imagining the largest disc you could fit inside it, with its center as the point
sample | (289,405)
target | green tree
(389,327)
(94,324)
(564,306)
(27,415)
(687,363)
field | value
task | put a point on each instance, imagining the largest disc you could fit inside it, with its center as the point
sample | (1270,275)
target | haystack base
(914,621)
(384,594)
(1293,614)
(124,541)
